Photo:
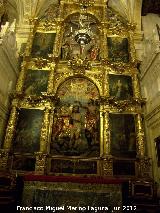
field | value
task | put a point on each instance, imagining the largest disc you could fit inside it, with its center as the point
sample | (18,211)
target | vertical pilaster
(140,136)
(20,82)
(107,147)
(136,86)
(10,128)
(44,131)
(51,78)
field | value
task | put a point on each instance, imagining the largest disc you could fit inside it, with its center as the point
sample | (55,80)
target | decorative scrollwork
(40,162)
(108,166)
(79,65)
(120,67)
(144,165)
(41,62)
(44,98)
(4,155)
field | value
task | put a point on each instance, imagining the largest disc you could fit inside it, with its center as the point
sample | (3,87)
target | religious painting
(43,44)
(157,141)
(27,136)
(36,82)
(75,129)
(123,135)
(76,167)
(120,87)
(118,49)
(23,163)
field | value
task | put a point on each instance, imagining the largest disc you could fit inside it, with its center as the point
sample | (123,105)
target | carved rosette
(10,128)
(79,65)
(40,166)
(108,166)
(4,157)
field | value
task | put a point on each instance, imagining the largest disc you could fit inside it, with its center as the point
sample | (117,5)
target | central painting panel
(75,129)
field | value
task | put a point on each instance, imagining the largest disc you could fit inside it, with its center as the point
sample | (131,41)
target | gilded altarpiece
(80,70)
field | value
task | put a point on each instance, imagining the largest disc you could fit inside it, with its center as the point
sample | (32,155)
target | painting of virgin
(123,135)
(36,82)
(76,119)
(120,87)
(43,44)
(27,136)
(118,49)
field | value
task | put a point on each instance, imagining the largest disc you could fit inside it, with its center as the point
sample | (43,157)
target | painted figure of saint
(75,126)
(94,53)
(120,90)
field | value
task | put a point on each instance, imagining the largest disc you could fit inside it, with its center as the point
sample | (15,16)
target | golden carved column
(101,132)
(57,42)
(144,165)
(44,131)
(140,136)
(136,86)
(20,82)
(4,153)
(108,160)
(107,148)
(41,156)
(106,83)
(132,47)
(10,128)
(51,78)
(104,41)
